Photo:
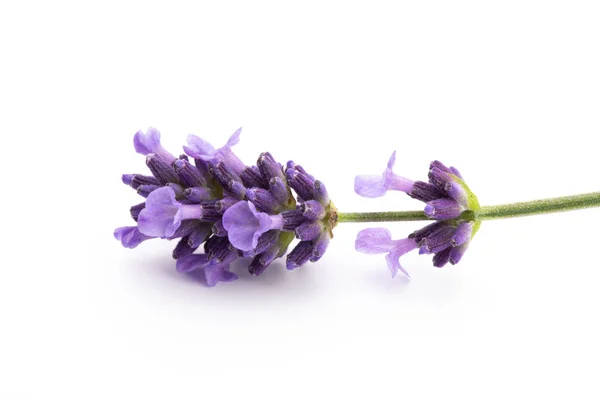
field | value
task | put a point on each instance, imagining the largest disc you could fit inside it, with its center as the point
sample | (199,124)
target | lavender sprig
(221,210)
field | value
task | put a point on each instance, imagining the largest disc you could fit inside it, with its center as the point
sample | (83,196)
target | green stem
(544,206)
(382,216)
(557,204)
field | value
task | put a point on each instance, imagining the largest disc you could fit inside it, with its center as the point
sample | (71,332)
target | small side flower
(448,200)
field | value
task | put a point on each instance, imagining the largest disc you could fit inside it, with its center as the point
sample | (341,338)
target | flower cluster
(448,200)
(210,200)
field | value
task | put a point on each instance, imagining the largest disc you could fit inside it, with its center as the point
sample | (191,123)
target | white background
(508,92)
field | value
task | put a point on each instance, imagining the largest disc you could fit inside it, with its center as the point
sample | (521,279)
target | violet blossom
(220,210)
(448,200)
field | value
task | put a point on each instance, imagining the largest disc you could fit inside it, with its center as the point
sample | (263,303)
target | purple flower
(448,241)
(446,194)
(379,241)
(202,150)
(448,200)
(214,271)
(130,237)
(221,209)
(245,224)
(163,213)
(377,186)
(149,143)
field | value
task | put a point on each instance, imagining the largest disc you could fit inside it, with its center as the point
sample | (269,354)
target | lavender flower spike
(163,213)
(245,224)
(149,143)
(377,186)
(220,209)
(379,241)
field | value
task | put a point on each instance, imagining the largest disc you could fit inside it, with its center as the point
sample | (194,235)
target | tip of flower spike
(206,194)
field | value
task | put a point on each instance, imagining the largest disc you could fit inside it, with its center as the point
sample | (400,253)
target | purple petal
(218,272)
(234,138)
(197,147)
(245,224)
(130,237)
(393,262)
(374,241)
(146,143)
(200,149)
(377,186)
(149,143)
(370,186)
(158,218)
(401,247)
(191,262)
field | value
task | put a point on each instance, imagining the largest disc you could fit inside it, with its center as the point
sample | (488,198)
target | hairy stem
(382,216)
(544,206)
